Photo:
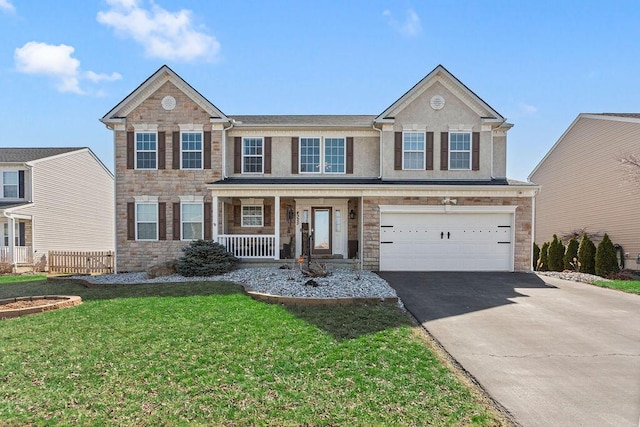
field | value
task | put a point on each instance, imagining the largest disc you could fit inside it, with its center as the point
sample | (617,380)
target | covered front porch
(287,226)
(15,242)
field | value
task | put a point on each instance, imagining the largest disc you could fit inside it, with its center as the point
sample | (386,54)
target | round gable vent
(437,102)
(168,103)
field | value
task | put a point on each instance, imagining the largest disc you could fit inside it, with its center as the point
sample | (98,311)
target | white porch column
(12,239)
(214,218)
(276,229)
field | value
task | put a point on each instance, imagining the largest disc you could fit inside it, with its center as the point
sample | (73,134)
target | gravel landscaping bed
(342,283)
(573,275)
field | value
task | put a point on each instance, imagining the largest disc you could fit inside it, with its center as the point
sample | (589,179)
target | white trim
(135,149)
(319,138)
(191,199)
(17,185)
(145,127)
(424,150)
(182,221)
(261,138)
(191,127)
(449,151)
(151,203)
(324,155)
(146,199)
(201,151)
(242,216)
(322,165)
(447,209)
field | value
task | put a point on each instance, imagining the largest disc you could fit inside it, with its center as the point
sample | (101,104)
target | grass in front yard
(13,278)
(631,286)
(204,353)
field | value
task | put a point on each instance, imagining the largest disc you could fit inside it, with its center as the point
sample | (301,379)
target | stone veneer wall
(168,184)
(523,221)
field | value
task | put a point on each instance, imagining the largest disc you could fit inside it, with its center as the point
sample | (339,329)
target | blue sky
(540,64)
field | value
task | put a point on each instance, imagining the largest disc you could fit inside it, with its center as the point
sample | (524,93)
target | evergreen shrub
(587,255)
(206,258)
(606,261)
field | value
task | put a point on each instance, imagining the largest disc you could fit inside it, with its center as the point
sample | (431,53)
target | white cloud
(163,34)
(527,110)
(57,62)
(7,6)
(410,27)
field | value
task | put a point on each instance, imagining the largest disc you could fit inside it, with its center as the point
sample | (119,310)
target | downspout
(373,125)
(224,147)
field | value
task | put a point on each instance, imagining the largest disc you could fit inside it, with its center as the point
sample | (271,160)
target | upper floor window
(10,184)
(192,216)
(252,155)
(146,221)
(460,150)
(413,150)
(322,156)
(334,155)
(146,150)
(191,150)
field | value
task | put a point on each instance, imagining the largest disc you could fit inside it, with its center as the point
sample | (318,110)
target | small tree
(570,254)
(536,255)
(555,254)
(606,260)
(587,255)
(206,258)
(543,262)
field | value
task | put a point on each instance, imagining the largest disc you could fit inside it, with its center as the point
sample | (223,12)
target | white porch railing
(21,255)
(249,245)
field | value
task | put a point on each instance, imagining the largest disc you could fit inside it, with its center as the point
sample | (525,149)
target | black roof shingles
(354,181)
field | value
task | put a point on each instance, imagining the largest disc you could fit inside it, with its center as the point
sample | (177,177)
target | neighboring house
(421,186)
(53,199)
(585,186)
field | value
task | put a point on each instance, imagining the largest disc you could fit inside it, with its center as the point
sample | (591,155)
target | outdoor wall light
(352,214)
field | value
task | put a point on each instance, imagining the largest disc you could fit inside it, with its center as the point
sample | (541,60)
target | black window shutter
(444,151)
(237,154)
(131,151)
(429,162)
(175,150)
(267,154)
(176,221)
(207,220)
(206,152)
(349,166)
(131,221)
(21,234)
(162,151)
(397,150)
(294,154)
(475,151)
(162,221)
(267,215)
(237,215)
(21,184)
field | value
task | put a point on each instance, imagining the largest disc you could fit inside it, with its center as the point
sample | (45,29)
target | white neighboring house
(53,199)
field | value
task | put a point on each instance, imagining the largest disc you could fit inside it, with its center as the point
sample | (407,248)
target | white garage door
(446,241)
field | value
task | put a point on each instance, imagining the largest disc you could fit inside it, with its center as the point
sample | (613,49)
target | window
(16,234)
(413,151)
(334,155)
(10,184)
(252,159)
(460,150)
(192,219)
(146,221)
(191,150)
(310,155)
(146,150)
(252,216)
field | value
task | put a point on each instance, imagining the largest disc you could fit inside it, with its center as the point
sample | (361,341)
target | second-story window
(413,150)
(460,150)
(146,150)
(310,155)
(252,155)
(191,150)
(10,184)
(334,155)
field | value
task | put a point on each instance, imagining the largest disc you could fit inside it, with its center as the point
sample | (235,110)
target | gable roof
(620,117)
(23,155)
(426,81)
(152,84)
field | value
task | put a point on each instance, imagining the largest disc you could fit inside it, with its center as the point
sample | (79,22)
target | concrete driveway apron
(551,351)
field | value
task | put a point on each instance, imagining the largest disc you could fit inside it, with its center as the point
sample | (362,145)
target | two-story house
(53,199)
(420,186)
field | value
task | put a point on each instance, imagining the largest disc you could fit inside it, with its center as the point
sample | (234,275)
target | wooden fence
(81,262)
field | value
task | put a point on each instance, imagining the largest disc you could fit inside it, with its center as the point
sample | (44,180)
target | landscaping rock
(168,268)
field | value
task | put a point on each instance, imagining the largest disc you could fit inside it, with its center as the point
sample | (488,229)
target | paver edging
(58,302)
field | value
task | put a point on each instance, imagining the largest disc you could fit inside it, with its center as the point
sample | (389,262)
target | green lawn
(206,354)
(631,286)
(10,278)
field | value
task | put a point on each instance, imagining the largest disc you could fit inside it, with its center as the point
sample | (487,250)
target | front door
(321,225)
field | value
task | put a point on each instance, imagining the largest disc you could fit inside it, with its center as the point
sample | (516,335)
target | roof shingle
(21,155)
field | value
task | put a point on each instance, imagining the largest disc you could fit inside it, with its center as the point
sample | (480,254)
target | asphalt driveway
(552,352)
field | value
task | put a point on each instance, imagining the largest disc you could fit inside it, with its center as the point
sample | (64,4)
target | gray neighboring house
(53,199)
(419,186)
(584,185)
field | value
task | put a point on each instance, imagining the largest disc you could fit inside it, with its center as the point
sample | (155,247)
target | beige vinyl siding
(73,204)
(585,186)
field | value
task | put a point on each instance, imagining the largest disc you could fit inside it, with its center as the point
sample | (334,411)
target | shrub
(543,263)
(571,254)
(536,255)
(606,260)
(586,255)
(206,258)
(6,268)
(555,254)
